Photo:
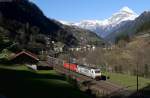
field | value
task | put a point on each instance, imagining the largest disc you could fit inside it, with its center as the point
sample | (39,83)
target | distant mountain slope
(130,28)
(23,23)
(85,36)
(104,28)
(125,23)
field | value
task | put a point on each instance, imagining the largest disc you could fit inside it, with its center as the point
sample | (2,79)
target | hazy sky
(77,10)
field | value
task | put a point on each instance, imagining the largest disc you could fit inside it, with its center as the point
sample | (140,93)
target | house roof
(34,56)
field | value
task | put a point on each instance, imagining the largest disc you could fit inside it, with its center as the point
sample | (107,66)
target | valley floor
(130,84)
(20,82)
(128,81)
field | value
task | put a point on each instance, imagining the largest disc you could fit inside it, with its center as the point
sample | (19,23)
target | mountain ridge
(103,27)
(132,28)
(25,25)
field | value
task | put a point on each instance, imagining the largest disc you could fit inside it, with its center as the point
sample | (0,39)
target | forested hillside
(24,26)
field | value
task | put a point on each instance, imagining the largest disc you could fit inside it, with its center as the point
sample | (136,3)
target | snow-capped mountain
(140,25)
(104,27)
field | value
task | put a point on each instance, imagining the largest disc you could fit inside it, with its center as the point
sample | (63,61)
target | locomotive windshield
(97,71)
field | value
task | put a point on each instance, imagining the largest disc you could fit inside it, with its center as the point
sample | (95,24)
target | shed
(44,65)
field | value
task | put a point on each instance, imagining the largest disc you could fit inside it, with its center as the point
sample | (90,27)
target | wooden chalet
(30,60)
(25,57)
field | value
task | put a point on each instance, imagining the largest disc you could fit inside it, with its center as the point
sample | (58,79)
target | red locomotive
(71,66)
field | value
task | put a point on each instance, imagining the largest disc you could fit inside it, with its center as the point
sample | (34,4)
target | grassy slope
(128,81)
(19,82)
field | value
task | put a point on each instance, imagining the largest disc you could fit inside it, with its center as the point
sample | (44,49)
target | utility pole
(69,62)
(137,78)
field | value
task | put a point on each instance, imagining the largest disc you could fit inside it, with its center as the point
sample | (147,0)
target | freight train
(94,73)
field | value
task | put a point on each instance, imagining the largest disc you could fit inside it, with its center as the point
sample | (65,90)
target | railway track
(99,88)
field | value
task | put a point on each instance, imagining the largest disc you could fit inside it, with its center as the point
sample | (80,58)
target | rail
(98,88)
